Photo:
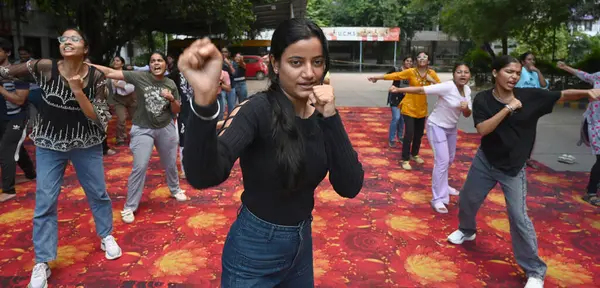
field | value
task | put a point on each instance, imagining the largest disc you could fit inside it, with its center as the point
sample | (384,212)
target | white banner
(351,34)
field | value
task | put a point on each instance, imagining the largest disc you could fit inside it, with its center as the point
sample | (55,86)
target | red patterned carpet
(387,237)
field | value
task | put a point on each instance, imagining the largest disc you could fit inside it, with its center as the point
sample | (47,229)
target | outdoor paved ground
(558,132)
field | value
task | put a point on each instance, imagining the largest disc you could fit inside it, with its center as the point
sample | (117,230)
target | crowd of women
(288,138)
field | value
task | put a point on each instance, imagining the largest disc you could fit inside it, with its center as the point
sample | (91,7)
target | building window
(587,25)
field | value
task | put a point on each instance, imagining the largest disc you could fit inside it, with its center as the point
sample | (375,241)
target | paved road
(558,132)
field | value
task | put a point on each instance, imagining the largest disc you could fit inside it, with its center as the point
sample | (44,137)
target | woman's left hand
(323,100)
(76,83)
(166,93)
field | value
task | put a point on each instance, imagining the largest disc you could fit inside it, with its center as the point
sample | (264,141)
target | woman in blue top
(531,77)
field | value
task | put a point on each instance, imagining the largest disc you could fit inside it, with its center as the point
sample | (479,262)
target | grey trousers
(142,142)
(482,177)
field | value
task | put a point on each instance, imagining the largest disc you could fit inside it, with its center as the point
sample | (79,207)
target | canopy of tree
(109,24)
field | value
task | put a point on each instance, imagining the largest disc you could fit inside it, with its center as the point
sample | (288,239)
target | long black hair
(289,144)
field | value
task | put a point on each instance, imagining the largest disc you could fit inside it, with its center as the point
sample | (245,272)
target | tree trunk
(151,43)
(487,46)
(504,45)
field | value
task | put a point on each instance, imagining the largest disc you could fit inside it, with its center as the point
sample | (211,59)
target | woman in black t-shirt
(506,118)
(394,99)
(287,138)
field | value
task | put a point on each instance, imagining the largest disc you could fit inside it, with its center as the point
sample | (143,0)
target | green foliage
(480,63)
(109,24)
(591,62)
(540,42)
(580,45)
(373,13)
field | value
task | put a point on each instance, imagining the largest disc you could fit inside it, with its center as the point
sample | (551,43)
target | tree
(109,24)
(320,11)
(547,45)
(485,21)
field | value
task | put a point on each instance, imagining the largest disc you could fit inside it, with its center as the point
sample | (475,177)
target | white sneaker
(533,282)
(406,165)
(110,246)
(127,216)
(418,159)
(458,237)
(180,196)
(39,276)
(453,191)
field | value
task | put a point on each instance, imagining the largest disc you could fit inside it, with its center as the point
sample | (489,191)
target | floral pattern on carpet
(388,236)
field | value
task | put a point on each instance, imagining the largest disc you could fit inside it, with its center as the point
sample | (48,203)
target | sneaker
(39,276)
(180,196)
(110,246)
(418,159)
(111,152)
(127,216)
(533,282)
(458,237)
(6,196)
(392,144)
(406,165)
(453,191)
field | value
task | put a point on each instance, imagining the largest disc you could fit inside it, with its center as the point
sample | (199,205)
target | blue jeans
(482,177)
(241,90)
(396,125)
(231,100)
(260,254)
(50,172)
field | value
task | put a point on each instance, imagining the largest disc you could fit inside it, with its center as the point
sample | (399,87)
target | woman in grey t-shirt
(158,103)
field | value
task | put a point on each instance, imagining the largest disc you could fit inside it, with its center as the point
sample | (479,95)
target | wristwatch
(510,108)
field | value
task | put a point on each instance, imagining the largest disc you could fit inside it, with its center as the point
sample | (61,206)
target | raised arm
(584,76)
(109,72)
(208,158)
(410,90)
(575,94)
(402,75)
(28,71)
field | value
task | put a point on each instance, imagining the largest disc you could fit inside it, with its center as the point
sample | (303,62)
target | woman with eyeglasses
(454,100)
(158,103)
(414,107)
(70,126)
(506,117)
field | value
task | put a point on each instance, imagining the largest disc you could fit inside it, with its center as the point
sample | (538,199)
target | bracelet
(206,118)
(510,108)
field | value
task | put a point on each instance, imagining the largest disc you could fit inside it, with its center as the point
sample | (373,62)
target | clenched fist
(201,65)
(323,100)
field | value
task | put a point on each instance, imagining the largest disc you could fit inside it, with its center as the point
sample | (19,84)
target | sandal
(439,207)
(592,199)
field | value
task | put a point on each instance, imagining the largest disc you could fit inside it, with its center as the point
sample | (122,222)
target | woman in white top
(454,99)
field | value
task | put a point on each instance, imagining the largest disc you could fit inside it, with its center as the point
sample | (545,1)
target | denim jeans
(260,254)
(50,172)
(482,177)
(396,125)
(231,100)
(241,90)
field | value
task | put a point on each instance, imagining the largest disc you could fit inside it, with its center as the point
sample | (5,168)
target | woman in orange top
(413,106)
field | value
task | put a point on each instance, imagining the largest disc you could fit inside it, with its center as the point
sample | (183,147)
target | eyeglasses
(423,57)
(74,39)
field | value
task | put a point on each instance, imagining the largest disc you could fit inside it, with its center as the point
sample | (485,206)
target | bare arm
(109,72)
(410,90)
(574,94)
(18,97)
(486,127)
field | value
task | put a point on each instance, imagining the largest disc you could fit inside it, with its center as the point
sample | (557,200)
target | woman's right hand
(201,65)
(515,104)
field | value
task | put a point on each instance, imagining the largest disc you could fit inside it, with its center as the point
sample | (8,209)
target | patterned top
(60,124)
(592,113)
(413,105)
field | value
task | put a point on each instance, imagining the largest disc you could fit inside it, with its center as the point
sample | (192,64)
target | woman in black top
(506,118)
(70,126)
(394,100)
(286,147)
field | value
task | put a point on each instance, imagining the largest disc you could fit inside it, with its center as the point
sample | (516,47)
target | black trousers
(13,133)
(592,187)
(413,133)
